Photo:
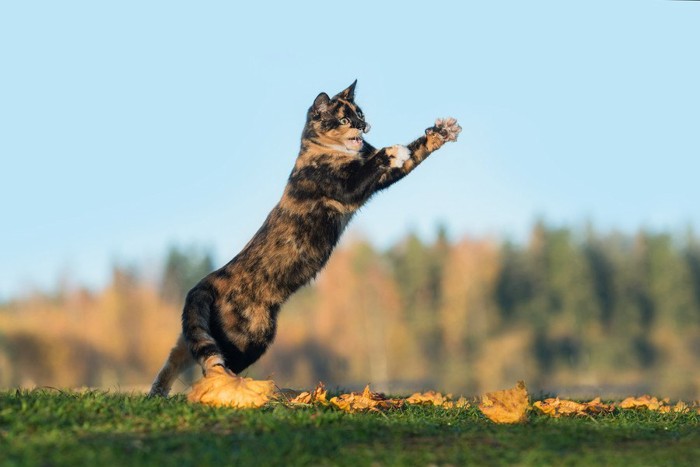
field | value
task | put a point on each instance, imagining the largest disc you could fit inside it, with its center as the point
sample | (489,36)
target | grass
(45,427)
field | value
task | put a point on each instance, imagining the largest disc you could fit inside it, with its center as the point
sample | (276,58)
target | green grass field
(47,427)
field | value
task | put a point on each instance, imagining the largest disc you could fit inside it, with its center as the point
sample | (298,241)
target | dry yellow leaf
(643,402)
(318,395)
(680,407)
(437,399)
(221,388)
(555,407)
(301,398)
(428,398)
(365,402)
(596,406)
(506,406)
(652,403)
(461,403)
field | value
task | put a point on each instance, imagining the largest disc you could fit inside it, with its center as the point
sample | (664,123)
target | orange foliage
(117,337)
(470,275)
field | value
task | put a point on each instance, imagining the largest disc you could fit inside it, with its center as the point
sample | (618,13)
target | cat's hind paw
(446,128)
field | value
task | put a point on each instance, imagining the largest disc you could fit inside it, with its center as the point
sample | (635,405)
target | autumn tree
(468,314)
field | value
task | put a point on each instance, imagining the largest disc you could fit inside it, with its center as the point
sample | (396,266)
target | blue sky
(129,126)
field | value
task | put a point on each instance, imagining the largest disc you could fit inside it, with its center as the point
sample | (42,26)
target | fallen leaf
(680,407)
(367,401)
(506,406)
(223,389)
(436,399)
(428,398)
(644,402)
(302,398)
(318,395)
(555,407)
(596,406)
(461,403)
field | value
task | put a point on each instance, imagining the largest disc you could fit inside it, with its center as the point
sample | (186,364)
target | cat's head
(337,122)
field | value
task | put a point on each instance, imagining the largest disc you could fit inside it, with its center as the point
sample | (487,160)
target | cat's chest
(343,221)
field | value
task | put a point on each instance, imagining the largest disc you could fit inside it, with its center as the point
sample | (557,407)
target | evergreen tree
(602,270)
(184,267)
(692,258)
(418,270)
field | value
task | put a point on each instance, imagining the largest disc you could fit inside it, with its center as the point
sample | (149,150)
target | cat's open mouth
(354,143)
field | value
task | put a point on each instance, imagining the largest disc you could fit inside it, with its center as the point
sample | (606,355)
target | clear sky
(129,126)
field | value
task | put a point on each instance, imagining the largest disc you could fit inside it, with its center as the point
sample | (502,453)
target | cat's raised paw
(447,128)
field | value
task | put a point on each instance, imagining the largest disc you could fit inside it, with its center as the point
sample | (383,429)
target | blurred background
(142,145)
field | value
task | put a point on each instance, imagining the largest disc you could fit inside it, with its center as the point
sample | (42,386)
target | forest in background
(571,311)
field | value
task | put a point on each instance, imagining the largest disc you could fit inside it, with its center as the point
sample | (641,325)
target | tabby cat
(229,318)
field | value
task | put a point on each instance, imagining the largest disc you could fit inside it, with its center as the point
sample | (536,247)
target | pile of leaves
(513,405)
(507,406)
(369,401)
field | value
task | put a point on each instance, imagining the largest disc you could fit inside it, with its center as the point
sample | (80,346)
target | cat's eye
(344,121)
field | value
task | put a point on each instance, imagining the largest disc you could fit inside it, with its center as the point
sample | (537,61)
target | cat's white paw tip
(401,155)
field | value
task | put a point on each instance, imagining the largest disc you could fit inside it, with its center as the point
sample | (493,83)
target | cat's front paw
(447,129)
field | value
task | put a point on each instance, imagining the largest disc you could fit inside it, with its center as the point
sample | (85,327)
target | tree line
(570,311)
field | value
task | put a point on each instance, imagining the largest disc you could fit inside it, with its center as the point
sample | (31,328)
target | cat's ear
(321,103)
(349,93)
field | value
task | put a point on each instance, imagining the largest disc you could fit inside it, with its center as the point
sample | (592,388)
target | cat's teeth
(355,143)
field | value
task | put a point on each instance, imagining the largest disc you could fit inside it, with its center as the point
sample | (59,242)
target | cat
(230,317)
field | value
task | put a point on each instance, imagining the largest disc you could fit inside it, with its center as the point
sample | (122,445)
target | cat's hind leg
(196,327)
(178,360)
(220,386)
